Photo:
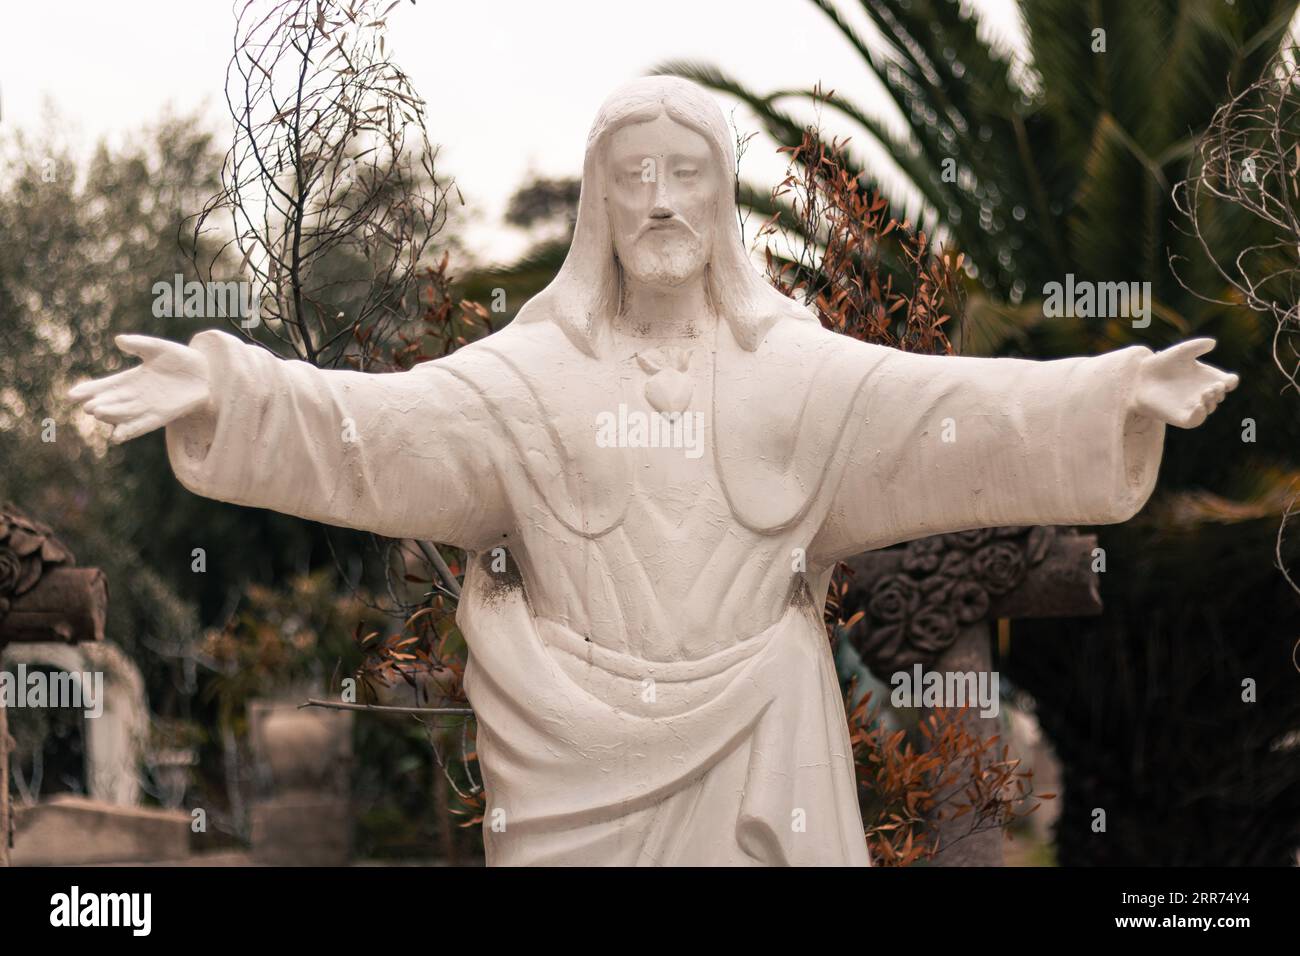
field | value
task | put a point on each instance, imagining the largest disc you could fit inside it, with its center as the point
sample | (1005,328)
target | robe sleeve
(947,444)
(405,454)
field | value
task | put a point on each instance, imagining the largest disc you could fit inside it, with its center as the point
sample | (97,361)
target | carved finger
(114,396)
(117,412)
(142,346)
(1191,349)
(134,428)
(1231,381)
(85,390)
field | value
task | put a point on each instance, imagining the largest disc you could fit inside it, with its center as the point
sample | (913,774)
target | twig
(433,557)
(386,709)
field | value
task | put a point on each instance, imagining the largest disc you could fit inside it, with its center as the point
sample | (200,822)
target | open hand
(1178,390)
(171,383)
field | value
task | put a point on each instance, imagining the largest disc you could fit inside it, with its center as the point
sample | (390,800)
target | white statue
(650,674)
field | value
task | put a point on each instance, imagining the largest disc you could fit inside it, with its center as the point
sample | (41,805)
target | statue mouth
(663,225)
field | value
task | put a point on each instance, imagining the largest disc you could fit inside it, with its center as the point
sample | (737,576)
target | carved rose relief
(948,581)
(26,548)
(894,598)
(11,570)
(999,566)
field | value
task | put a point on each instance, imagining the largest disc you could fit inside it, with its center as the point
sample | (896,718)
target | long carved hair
(586,293)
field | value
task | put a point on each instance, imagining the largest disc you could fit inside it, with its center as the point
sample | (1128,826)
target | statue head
(658,206)
(661,195)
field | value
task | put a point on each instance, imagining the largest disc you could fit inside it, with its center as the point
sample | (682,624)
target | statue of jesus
(648,665)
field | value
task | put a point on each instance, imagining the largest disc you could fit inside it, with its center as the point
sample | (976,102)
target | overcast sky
(512,85)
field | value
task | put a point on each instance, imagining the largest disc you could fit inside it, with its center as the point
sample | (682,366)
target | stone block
(70,830)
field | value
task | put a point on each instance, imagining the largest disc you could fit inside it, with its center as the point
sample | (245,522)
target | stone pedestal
(969,653)
(302,815)
(302,831)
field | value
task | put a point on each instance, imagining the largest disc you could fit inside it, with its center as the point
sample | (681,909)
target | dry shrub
(864,273)
(446,322)
(906,790)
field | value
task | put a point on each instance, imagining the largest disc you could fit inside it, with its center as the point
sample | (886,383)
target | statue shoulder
(528,348)
(807,351)
(531,366)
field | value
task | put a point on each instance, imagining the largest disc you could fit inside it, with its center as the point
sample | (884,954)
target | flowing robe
(650,674)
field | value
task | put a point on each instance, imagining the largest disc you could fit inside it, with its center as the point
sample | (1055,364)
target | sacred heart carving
(669,387)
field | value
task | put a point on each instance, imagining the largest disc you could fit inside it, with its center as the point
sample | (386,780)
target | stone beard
(651,676)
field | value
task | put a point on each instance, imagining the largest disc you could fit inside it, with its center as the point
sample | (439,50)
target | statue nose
(662,208)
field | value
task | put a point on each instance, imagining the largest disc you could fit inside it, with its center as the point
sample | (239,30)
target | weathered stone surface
(917,597)
(302,831)
(42,598)
(301,816)
(72,830)
(67,604)
(115,740)
(300,750)
(957,845)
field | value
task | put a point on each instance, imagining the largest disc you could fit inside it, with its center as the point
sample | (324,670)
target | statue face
(662,184)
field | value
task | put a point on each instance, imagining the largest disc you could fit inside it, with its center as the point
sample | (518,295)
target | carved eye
(687,172)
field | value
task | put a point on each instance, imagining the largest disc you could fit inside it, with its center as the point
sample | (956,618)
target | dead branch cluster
(329,186)
(1247,163)
(1246,173)
(866,274)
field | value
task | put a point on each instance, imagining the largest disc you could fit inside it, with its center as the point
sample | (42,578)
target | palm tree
(1064,162)
(1030,165)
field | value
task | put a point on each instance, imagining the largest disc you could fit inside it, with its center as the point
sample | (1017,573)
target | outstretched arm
(958,443)
(407,454)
